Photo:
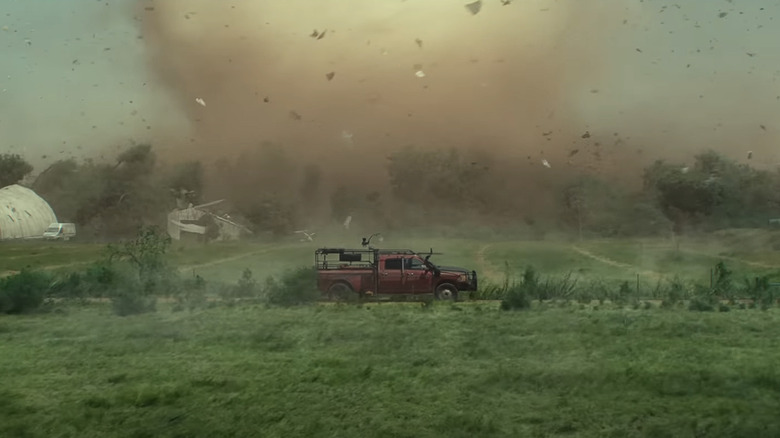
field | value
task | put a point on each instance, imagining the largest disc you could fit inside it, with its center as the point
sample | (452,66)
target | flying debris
(546,163)
(309,236)
(763,127)
(474,7)
(506,2)
(347,221)
(318,35)
(586,134)
(295,116)
(574,152)
(419,42)
(419,74)
(200,101)
(330,75)
(684,169)
(750,154)
(347,136)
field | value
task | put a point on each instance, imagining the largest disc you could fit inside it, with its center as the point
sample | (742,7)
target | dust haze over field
(524,81)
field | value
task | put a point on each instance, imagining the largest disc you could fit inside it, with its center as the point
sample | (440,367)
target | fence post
(637,284)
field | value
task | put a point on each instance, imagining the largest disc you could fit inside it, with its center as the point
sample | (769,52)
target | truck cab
(375,272)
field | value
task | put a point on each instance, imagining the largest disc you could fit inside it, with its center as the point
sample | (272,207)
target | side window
(414,263)
(393,264)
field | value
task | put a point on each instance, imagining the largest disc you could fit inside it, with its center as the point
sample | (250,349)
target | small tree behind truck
(342,273)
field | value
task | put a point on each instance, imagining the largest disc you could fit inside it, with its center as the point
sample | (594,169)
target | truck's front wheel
(446,292)
(341,292)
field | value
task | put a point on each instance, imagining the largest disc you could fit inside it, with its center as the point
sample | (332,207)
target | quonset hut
(23,214)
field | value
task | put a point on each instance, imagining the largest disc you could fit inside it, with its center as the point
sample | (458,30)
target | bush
(129,300)
(760,292)
(137,293)
(295,287)
(97,281)
(516,298)
(23,292)
(192,294)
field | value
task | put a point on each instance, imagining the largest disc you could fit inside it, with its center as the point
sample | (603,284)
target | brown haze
(498,81)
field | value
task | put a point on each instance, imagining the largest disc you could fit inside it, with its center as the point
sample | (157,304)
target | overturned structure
(199,223)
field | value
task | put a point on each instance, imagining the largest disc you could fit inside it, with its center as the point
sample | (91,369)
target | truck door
(391,278)
(418,278)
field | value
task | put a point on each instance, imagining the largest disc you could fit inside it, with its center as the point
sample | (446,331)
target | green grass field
(390,370)
(399,369)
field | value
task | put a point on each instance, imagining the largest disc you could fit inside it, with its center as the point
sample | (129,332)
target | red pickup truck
(372,272)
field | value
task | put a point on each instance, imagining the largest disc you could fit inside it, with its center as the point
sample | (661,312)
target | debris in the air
(200,101)
(545,134)
(684,169)
(295,116)
(750,54)
(763,127)
(330,75)
(506,2)
(586,134)
(722,14)
(347,136)
(419,42)
(475,7)
(546,163)
(318,35)
(750,154)
(639,50)
(574,152)
(266,99)
(347,221)
(420,74)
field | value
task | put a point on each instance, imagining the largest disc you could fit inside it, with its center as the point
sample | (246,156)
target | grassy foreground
(390,370)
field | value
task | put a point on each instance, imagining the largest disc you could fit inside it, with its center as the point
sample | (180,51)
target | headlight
(463,278)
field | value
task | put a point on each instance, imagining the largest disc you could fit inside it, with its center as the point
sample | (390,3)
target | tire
(446,292)
(341,291)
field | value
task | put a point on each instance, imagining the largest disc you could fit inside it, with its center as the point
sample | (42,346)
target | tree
(13,168)
(715,192)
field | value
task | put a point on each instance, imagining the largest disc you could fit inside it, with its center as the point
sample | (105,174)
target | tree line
(272,193)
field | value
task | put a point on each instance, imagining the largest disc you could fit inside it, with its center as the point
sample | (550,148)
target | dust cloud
(588,86)
(343,83)
(603,87)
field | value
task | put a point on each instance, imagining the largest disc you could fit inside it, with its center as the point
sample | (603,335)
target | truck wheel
(341,292)
(446,292)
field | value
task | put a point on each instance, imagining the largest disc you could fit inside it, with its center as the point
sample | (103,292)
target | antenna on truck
(366,242)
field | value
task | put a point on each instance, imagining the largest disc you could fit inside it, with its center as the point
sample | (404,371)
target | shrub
(672,294)
(516,298)
(129,298)
(23,292)
(759,291)
(133,294)
(192,294)
(295,287)
(96,281)
(703,300)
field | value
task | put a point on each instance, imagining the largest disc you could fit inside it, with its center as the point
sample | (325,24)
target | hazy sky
(646,79)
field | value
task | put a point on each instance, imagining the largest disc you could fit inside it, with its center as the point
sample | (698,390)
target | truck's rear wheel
(446,292)
(341,292)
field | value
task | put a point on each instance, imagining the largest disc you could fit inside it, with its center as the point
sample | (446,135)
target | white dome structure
(23,214)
